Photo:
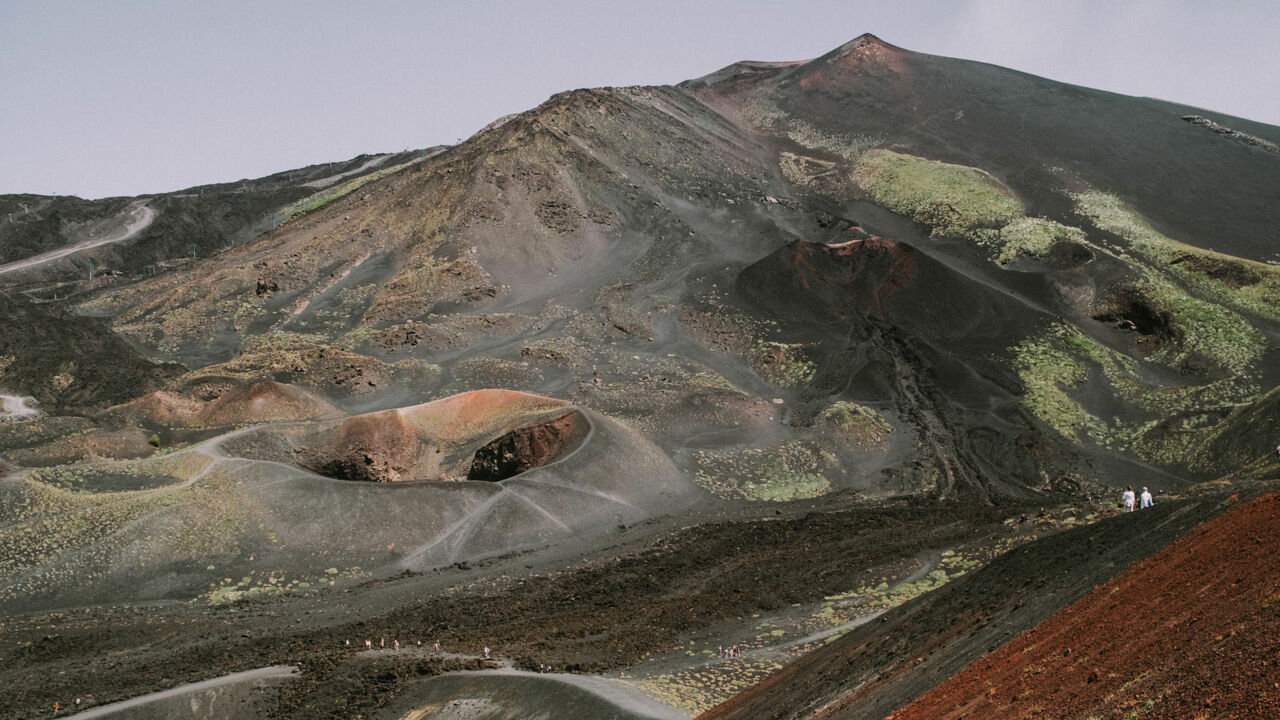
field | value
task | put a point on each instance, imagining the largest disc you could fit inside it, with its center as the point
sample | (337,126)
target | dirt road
(140,217)
(266,673)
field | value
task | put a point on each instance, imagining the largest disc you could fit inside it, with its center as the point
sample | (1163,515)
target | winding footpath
(267,673)
(140,217)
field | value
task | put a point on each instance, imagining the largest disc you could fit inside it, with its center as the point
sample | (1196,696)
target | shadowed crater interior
(1130,309)
(528,447)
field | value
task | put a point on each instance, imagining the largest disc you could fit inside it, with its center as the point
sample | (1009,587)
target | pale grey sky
(123,97)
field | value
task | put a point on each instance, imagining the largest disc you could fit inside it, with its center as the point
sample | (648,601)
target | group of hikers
(435,648)
(1129,499)
(395,645)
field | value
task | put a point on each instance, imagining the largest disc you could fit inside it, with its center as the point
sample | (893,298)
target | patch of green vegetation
(480,372)
(843,607)
(1053,363)
(254,585)
(416,370)
(51,521)
(765,113)
(317,200)
(953,200)
(1122,373)
(862,424)
(54,535)
(698,689)
(793,471)
(1047,371)
(1245,285)
(1026,237)
(355,338)
(247,311)
(781,364)
(1207,331)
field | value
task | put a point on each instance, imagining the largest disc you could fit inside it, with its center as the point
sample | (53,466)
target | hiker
(396,645)
(382,642)
(1278,452)
(1145,500)
(1128,498)
(436,646)
(486,652)
(368,644)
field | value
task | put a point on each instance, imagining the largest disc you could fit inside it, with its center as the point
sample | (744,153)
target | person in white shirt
(1145,500)
(1128,498)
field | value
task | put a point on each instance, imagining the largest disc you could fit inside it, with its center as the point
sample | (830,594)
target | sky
(127,97)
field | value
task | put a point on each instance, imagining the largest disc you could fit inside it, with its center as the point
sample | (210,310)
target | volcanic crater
(487,435)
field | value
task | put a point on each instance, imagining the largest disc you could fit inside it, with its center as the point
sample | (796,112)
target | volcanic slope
(307,500)
(615,245)
(884,664)
(1192,632)
(875,278)
(62,243)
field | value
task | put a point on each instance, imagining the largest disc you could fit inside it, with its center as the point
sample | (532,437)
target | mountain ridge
(641,371)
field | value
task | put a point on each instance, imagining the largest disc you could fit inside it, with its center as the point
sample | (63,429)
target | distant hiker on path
(486,652)
(1128,498)
(1145,500)
(436,646)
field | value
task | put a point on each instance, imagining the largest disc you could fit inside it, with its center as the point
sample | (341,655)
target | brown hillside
(1193,632)
(254,403)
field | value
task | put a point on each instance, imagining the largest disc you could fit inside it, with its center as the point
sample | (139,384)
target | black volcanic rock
(70,363)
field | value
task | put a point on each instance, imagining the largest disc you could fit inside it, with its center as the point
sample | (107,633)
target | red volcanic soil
(854,63)
(1192,632)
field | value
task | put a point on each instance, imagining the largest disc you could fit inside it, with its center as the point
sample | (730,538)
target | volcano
(841,363)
